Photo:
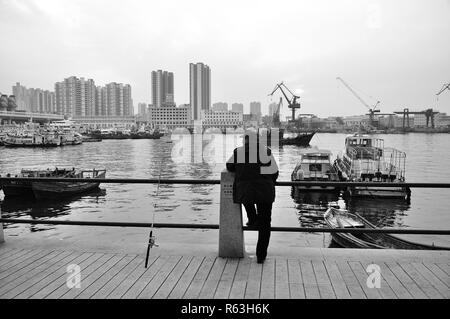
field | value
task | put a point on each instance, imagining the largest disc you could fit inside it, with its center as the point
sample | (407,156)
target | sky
(391,51)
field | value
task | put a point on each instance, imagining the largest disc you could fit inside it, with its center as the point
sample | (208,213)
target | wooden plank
(186,279)
(105,277)
(52,278)
(444,267)
(15,272)
(166,288)
(361,276)
(16,254)
(435,282)
(159,278)
(281,279)
(19,258)
(107,289)
(406,281)
(62,280)
(325,287)
(6,252)
(211,283)
(85,272)
(309,281)
(336,279)
(36,275)
(268,279)
(295,280)
(197,283)
(439,273)
(136,280)
(226,280)
(423,284)
(252,290)
(350,280)
(240,279)
(87,281)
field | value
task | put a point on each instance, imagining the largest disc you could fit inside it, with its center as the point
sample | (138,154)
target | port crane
(444,87)
(372,110)
(292,102)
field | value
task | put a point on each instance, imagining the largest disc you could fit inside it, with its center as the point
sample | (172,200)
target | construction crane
(372,110)
(292,103)
(429,115)
(444,87)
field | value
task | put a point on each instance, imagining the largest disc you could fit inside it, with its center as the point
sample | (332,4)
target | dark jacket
(254,180)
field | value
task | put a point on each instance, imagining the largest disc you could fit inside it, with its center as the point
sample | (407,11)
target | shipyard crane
(444,87)
(292,103)
(372,110)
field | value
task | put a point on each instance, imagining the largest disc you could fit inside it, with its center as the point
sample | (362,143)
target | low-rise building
(169,117)
(221,119)
(105,122)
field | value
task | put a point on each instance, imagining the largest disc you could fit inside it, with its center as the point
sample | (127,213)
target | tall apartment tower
(162,88)
(200,88)
(75,97)
(237,107)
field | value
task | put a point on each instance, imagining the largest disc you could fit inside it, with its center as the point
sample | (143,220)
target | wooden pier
(313,273)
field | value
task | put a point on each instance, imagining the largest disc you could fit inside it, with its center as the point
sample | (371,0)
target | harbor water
(168,157)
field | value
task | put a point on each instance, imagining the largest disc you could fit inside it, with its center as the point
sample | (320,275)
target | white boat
(315,166)
(365,159)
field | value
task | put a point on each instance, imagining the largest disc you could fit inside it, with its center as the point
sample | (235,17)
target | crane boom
(356,94)
(444,87)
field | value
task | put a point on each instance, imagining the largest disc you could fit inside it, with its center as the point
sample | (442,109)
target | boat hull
(383,192)
(44,190)
(17,189)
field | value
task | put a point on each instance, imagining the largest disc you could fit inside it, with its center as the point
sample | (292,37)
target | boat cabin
(365,147)
(315,165)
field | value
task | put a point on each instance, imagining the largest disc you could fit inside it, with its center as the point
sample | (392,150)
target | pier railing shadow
(231,228)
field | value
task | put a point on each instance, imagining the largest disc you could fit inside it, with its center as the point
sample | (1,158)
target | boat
(42,190)
(301,139)
(315,166)
(24,188)
(339,218)
(365,159)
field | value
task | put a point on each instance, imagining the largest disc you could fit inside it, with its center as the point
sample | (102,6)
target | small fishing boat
(315,166)
(23,188)
(67,188)
(337,218)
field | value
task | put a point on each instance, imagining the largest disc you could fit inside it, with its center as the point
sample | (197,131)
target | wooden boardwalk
(40,273)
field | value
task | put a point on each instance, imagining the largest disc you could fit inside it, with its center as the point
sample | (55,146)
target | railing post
(2,235)
(231,234)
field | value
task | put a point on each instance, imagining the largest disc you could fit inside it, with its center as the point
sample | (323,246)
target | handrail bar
(217,182)
(216,226)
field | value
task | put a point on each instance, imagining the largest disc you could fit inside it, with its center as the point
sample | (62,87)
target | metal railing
(230,226)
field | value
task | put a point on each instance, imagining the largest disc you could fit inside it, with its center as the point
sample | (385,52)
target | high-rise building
(162,88)
(142,108)
(220,106)
(34,100)
(200,88)
(272,108)
(78,97)
(255,110)
(237,107)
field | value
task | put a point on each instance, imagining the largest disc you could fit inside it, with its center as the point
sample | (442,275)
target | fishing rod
(151,238)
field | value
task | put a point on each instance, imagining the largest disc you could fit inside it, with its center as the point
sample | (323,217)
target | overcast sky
(393,51)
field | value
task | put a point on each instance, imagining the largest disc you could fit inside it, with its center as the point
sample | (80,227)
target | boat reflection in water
(311,206)
(386,212)
(16,207)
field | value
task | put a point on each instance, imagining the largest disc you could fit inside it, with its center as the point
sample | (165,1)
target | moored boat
(67,188)
(365,159)
(337,218)
(315,166)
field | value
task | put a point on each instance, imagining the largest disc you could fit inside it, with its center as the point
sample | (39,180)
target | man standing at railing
(255,174)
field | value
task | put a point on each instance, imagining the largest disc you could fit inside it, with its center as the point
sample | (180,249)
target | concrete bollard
(231,235)
(2,235)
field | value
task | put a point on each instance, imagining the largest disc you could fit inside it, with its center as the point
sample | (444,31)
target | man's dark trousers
(263,213)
